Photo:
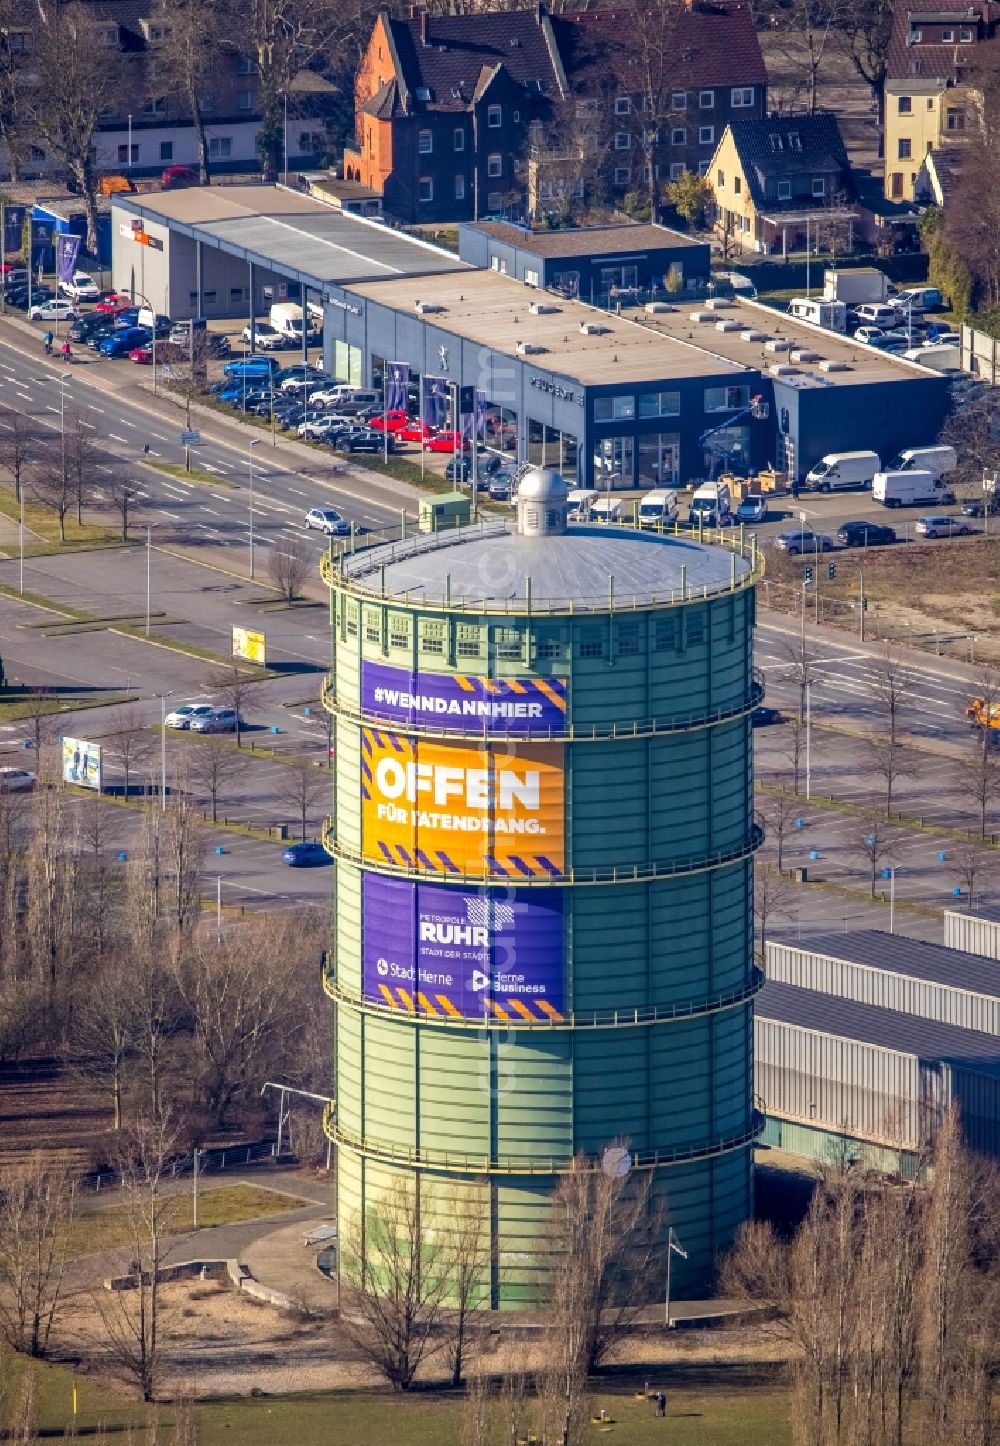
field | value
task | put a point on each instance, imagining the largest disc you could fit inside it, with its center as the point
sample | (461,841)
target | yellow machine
(984,715)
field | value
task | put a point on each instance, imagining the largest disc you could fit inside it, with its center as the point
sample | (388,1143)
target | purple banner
(397,383)
(13,228)
(435,403)
(440,950)
(528,707)
(67,250)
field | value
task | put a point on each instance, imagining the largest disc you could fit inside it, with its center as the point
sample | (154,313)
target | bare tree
(395,1271)
(971,861)
(37,1202)
(38,710)
(132,1318)
(891,686)
(469,1268)
(870,838)
(772,898)
(18,444)
(80,453)
(212,763)
(864,34)
(53,486)
(103,1037)
(289,563)
(979,771)
(186,63)
(779,812)
(301,787)
(238,689)
(182,846)
(129,742)
(810,29)
(125,497)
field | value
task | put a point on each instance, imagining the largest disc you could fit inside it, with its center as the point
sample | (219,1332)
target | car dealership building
(614,400)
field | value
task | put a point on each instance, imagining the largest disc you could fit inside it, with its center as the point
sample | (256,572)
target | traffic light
(807,576)
(831,571)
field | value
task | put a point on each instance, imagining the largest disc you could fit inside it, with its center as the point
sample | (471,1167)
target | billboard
(249,645)
(441,950)
(81,763)
(523,706)
(462,808)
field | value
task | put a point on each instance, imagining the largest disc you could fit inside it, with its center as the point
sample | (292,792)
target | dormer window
(916,36)
(794,141)
(819,186)
(784,190)
(109,36)
(246,65)
(777,144)
(947,37)
(965,37)
(155,32)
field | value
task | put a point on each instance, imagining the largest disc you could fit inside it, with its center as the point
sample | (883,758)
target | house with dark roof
(932,99)
(783,182)
(448,108)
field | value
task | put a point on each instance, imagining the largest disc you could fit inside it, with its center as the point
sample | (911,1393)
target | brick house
(447,107)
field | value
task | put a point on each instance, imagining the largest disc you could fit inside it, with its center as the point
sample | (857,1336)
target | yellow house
(778,182)
(920,117)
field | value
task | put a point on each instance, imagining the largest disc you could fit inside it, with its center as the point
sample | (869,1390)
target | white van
(710,503)
(839,470)
(830,314)
(937,460)
(911,489)
(579,501)
(940,357)
(606,509)
(658,508)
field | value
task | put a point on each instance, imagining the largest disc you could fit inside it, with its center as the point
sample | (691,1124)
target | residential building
(782,182)
(448,108)
(931,98)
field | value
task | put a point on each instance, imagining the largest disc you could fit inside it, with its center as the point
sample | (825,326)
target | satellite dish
(616,1162)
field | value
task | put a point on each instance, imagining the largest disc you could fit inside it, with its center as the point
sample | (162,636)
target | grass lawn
(105,1229)
(44,524)
(16,704)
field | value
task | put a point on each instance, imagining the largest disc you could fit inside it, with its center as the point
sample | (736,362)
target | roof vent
(593,328)
(425,308)
(801,355)
(729,324)
(701,316)
(833,366)
(543,308)
(655,307)
(751,335)
(541,503)
(782,369)
(719,303)
(777,343)
(528,348)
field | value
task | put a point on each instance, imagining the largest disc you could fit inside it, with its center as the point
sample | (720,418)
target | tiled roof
(793,148)
(932,59)
(385,103)
(712,44)
(458,47)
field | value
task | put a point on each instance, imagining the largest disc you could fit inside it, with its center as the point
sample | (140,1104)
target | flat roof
(490,565)
(618,240)
(291,233)
(637,346)
(895,954)
(925,1039)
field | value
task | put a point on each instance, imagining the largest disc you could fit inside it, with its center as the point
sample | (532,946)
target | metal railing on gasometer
(592,733)
(467,1162)
(398,544)
(616,874)
(596,1019)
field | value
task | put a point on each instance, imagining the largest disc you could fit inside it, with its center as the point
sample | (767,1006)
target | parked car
(307,854)
(321,428)
(217,720)
(142,355)
(86,326)
(80,287)
(17,780)
(266,336)
(114,302)
(393,421)
(54,310)
(752,509)
(444,442)
(368,441)
(501,487)
(120,343)
(982,506)
(328,520)
(172,176)
(183,716)
(941,525)
(459,469)
(864,534)
(764,717)
(802,541)
(296,379)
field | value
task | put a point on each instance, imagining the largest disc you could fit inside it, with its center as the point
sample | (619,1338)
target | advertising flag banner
(435,401)
(463,808)
(247,644)
(81,763)
(397,386)
(524,706)
(13,227)
(441,950)
(475,416)
(67,250)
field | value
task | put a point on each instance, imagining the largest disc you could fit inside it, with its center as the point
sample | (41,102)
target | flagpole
(423,439)
(666,1300)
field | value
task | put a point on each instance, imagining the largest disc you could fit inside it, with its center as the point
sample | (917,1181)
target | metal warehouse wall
(888,990)
(972,933)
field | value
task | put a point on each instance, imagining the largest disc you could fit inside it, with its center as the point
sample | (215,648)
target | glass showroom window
(726,399)
(614,409)
(614,462)
(659,404)
(659,460)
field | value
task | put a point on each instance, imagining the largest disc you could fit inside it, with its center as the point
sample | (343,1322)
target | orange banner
(463,808)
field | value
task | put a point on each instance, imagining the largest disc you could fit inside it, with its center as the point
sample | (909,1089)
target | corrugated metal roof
(617,240)
(896,954)
(885,1028)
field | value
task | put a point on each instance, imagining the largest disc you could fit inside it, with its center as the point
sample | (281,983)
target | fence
(225,1157)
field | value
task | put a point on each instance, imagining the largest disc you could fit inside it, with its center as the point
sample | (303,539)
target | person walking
(48,339)
(661,1404)
(67,352)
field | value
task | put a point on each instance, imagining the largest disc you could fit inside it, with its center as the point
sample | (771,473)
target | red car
(415,431)
(178,176)
(392,422)
(114,303)
(445,442)
(141,355)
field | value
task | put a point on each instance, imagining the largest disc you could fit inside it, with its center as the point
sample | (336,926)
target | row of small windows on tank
(674,631)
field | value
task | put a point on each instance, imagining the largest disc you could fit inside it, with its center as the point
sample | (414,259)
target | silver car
(802,542)
(218,720)
(327,520)
(942,526)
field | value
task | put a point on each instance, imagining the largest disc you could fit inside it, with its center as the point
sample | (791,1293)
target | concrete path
(281,1260)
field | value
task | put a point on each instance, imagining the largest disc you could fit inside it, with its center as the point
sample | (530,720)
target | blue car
(120,343)
(252,366)
(305,855)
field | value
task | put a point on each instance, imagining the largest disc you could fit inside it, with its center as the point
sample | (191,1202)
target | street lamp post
(128,161)
(20,539)
(163,748)
(149,555)
(254,443)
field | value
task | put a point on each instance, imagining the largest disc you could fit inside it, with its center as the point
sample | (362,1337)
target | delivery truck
(829,314)
(840,470)
(658,508)
(286,317)
(861,283)
(938,460)
(710,503)
(911,489)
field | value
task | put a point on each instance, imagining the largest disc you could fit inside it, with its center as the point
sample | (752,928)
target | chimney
(423,27)
(539,11)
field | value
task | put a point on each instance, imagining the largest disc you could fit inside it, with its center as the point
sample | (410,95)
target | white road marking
(115,438)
